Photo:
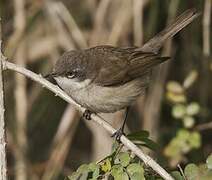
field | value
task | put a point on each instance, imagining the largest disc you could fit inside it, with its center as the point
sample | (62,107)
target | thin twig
(68,19)
(206,28)
(126,142)
(20,94)
(99,22)
(19,25)
(181,171)
(3,163)
(205,126)
(205,73)
(100,13)
(62,34)
(138,7)
(138,34)
(122,19)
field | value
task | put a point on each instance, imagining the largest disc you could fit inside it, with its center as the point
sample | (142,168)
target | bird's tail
(154,44)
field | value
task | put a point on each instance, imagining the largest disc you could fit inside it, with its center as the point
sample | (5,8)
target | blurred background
(47,139)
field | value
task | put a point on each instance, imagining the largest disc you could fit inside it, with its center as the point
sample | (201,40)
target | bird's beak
(50,78)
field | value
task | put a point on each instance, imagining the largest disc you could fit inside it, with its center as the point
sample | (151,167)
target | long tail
(154,44)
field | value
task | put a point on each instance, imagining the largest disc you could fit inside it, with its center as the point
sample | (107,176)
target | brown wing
(113,72)
(141,63)
(120,65)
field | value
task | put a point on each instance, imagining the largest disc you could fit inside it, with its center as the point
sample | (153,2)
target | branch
(20,93)
(3,163)
(138,25)
(126,142)
(122,19)
(206,28)
(205,126)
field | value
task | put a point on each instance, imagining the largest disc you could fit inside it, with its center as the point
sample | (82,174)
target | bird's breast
(108,99)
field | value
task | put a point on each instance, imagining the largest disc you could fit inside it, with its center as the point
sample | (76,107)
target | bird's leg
(87,114)
(120,131)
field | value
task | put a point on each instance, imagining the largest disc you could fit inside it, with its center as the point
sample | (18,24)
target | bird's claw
(87,114)
(117,135)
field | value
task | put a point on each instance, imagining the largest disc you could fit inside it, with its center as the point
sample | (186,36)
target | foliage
(184,111)
(194,172)
(125,166)
(141,138)
(120,165)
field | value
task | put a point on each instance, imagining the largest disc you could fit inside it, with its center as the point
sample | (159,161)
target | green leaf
(134,169)
(176,98)
(138,135)
(116,170)
(174,87)
(188,121)
(150,144)
(183,134)
(115,146)
(209,162)
(137,176)
(106,165)
(94,168)
(150,177)
(124,158)
(84,176)
(195,140)
(83,171)
(205,172)
(74,176)
(121,176)
(193,109)
(176,175)
(79,176)
(190,79)
(172,149)
(143,137)
(191,172)
(178,111)
(124,176)
(83,168)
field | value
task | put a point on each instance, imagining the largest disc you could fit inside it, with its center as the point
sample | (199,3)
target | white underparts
(102,99)
(71,84)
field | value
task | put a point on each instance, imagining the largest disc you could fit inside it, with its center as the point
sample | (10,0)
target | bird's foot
(87,114)
(117,135)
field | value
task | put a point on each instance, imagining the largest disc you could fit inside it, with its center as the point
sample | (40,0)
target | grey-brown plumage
(107,78)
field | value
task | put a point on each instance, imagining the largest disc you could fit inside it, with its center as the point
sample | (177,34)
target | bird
(106,79)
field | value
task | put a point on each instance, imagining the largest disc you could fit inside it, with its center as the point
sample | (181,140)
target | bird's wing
(120,65)
(112,71)
(142,62)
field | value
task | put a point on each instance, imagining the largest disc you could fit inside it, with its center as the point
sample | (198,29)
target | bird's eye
(70,75)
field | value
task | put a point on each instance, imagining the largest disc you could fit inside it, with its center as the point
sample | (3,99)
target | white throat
(70,85)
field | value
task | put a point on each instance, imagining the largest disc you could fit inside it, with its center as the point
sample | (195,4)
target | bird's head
(71,70)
